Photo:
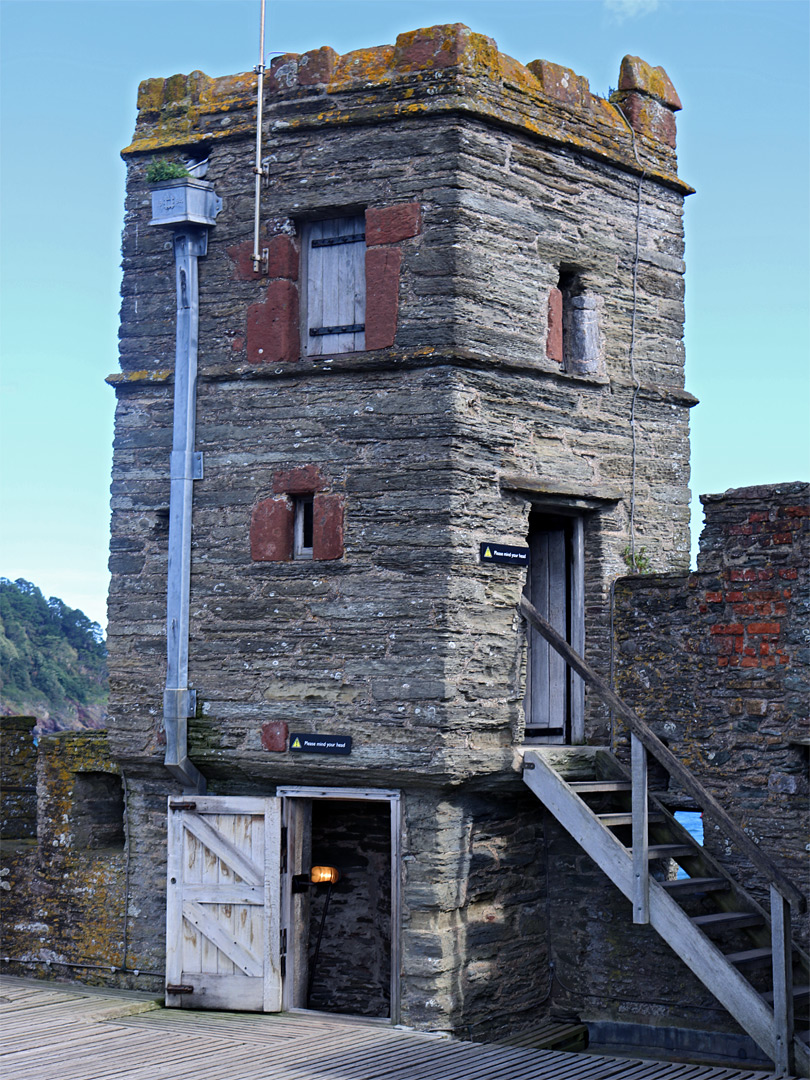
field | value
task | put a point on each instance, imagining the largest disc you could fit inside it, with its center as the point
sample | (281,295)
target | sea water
(692,821)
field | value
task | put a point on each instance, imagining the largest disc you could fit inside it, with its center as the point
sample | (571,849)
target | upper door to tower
(554,701)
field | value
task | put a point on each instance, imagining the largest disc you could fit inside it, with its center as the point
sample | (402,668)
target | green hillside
(53,660)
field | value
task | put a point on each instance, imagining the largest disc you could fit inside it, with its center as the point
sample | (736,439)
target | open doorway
(340,942)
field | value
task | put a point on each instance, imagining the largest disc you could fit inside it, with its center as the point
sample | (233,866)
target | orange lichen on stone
(561,83)
(174,111)
(453,45)
(363,66)
(637,74)
(454,62)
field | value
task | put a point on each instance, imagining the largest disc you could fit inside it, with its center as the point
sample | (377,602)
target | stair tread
(728,918)
(798,992)
(748,956)
(669,851)
(624,818)
(596,786)
(695,883)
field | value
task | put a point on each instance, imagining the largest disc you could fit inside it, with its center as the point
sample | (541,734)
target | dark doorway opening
(353,970)
(347,962)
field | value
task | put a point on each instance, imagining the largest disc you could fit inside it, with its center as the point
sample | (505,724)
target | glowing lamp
(324,875)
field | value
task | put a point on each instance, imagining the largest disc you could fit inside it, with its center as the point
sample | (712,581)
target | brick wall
(717,663)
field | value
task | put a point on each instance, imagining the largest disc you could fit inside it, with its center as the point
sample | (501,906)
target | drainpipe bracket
(179,704)
(186,465)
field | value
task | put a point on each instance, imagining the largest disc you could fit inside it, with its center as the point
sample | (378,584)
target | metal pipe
(257,168)
(314,964)
(178,701)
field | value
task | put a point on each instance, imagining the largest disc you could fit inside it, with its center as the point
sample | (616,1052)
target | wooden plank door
(554,700)
(223,903)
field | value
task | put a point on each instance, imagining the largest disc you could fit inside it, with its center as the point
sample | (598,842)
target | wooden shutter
(335,277)
(223,904)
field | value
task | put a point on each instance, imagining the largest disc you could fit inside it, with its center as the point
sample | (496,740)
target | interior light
(324,875)
(318,875)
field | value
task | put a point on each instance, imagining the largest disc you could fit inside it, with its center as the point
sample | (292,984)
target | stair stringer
(697,951)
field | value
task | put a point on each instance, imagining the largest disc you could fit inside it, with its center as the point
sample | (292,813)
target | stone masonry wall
(353,973)
(18,778)
(414,440)
(486,187)
(474,948)
(63,911)
(717,664)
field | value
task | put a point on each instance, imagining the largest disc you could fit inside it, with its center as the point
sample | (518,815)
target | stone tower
(462,337)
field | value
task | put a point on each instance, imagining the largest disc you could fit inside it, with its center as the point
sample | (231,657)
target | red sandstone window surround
(368,298)
(299,510)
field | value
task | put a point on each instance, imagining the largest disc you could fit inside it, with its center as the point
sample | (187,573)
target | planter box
(177,202)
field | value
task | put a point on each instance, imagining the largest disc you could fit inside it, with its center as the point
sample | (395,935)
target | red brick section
(315,68)
(554,339)
(272,326)
(271,530)
(386,225)
(327,533)
(649,117)
(382,296)
(392,224)
(302,480)
(274,736)
(282,259)
(272,521)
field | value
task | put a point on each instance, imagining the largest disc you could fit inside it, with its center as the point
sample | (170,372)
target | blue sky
(70,74)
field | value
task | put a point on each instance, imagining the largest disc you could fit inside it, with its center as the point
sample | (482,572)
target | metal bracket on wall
(185,465)
(179,703)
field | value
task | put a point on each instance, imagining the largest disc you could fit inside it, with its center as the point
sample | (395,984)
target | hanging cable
(636,383)
(257,168)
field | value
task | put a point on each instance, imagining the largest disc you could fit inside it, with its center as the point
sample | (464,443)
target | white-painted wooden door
(223,903)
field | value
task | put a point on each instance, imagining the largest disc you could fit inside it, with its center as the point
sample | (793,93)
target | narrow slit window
(303,532)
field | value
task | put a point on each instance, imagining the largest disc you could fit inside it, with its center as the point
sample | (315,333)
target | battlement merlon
(441,69)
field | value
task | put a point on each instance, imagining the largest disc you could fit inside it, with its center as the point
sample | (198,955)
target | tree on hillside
(53,660)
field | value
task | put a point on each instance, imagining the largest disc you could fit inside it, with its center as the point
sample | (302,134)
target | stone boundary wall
(717,663)
(63,872)
(18,779)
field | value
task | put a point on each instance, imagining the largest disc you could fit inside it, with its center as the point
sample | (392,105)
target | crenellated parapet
(441,69)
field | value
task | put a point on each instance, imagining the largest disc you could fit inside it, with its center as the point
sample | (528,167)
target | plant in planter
(179,197)
(156,171)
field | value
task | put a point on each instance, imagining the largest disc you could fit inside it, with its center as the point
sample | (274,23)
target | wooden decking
(55,1031)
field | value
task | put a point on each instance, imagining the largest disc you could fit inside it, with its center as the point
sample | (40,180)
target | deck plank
(78,1033)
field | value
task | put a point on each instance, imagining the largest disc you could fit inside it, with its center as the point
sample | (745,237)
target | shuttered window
(335,277)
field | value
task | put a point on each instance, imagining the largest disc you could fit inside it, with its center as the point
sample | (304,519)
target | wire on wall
(636,383)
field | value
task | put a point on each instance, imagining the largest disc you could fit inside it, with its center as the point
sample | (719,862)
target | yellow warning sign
(487,554)
(296,744)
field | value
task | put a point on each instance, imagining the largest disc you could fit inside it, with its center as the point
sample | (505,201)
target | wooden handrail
(665,757)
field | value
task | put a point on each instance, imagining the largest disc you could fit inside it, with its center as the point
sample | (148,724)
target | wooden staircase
(739,951)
